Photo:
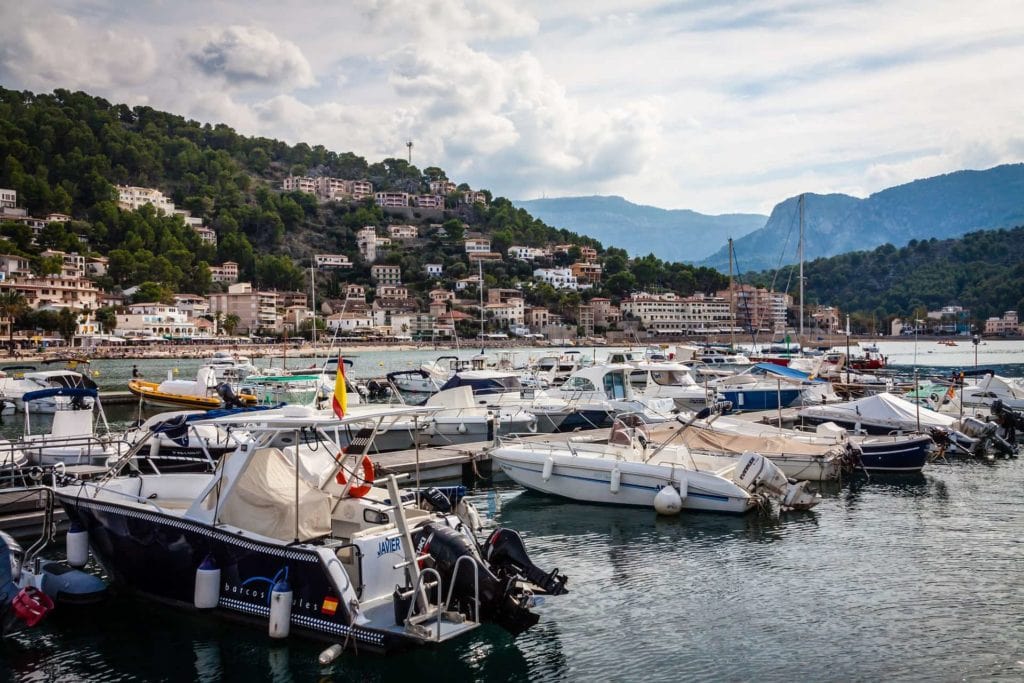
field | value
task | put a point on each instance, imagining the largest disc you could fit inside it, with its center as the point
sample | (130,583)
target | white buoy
(207,592)
(77,545)
(280,610)
(330,654)
(549,466)
(616,480)
(668,502)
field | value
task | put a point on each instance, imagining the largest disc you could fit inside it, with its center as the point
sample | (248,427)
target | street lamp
(976,339)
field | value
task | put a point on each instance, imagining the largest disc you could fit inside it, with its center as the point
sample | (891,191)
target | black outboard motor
(502,600)
(228,396)
(506,553)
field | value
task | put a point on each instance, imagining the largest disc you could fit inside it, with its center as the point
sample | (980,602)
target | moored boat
(300,539)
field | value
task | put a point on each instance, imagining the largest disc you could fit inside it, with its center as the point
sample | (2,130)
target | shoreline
(199,351)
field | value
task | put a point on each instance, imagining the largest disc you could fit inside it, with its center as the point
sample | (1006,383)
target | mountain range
(940,207)
(642,230)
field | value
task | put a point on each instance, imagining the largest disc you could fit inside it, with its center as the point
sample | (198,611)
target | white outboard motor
(758,474)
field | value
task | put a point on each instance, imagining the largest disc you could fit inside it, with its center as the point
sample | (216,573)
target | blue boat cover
(58,391)
(783,371)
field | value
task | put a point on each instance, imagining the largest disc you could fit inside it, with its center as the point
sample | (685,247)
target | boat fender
(682,488)
(616,480)
(77,545)
(357,490)
(154,446)
(667,501)
(207,592)
(280,609)
(549,467)
(462,428)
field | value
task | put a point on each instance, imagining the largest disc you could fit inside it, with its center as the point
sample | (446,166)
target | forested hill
(64,152)
(982,271)
(944,206)
(673,234)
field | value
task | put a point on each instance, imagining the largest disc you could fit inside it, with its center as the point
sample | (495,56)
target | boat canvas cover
(703,438)
(786,373)
(884,408)
(263,500)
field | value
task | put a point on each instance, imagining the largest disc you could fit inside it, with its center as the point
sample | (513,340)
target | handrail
(476,588)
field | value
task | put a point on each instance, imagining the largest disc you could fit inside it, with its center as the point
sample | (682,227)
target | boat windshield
(615,385)
(579,384)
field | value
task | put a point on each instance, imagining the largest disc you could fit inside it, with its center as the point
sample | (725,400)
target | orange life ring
(360,490)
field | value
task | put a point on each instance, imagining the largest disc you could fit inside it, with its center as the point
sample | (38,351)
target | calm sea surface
(887,579)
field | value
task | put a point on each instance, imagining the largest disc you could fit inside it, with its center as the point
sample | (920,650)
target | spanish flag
(340,401)
(951,394)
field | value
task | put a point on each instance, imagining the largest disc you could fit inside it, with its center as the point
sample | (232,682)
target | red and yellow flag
(340,400)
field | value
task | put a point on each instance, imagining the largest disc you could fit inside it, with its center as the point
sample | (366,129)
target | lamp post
(976,339)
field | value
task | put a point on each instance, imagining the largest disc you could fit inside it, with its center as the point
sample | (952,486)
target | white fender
(462,428)
(154,446)
(682,487)
(207,590)
(616,480)
(77,545)
(668,502)
(280,610)
(549,466)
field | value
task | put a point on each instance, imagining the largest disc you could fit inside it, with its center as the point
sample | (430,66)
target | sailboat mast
(480,274)
(732,302)
(801,336)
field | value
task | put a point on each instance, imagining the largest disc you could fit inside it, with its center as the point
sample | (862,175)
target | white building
(131,198)
(428,201)
(331,261)
(226,272)
(442,187)
(206,235)
(671,314)
(349,322)
(386,274)
(156,319)
(299,183)
(434,269)
(559,278)
(527,253)
(8,198)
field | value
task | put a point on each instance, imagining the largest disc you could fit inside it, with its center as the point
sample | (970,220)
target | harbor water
(901,578)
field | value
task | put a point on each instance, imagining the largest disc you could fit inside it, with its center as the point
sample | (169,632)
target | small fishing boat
(72,438)
(300,539)
(205,392)
(628,469)
(16,381)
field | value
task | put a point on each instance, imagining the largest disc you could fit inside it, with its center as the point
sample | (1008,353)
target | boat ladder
(425,620)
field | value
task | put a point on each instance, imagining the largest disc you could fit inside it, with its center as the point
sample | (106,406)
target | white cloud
(716,107)
(249,55)
(44,50)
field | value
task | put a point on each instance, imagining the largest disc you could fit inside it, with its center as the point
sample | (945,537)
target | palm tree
(231,321)
(12,304)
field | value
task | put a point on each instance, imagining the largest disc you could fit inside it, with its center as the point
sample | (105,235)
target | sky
(718,107)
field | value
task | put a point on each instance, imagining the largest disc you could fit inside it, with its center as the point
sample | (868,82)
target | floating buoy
(207,592)
(176,371)
(280,609)
(668,502)
(549,466)
(77,545)
(616,480)
(330,654)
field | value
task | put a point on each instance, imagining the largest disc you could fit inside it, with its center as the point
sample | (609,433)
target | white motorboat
(673,381)
(608,387)
(629,470)
(300,540)
(14,384)
(991,388)
(72,438)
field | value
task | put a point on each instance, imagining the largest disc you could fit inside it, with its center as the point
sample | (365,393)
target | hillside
(940,207)
(980,271)
(675,235)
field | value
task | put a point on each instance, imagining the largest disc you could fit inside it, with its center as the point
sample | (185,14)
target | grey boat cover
(263,500)
(880,409)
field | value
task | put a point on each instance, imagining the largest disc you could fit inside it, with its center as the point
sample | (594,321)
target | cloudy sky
(713,106)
